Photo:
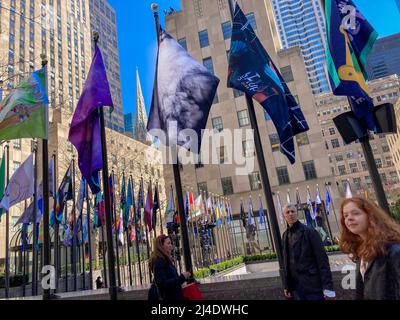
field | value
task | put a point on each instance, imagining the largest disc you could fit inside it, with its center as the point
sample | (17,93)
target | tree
(395,211)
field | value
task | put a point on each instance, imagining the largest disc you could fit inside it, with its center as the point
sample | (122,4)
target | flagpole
(89,238)
(160,209)
(147,230)
(264,175)
(66,245)
(136,235)
(242,224)
(75,237)
(57,246)
(34,242)
(7,264)
(83,242)
(128,240)
(115,229)
(110,247)
(177,177)
(327,185)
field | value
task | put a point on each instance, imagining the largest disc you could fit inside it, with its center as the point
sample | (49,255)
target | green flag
(23,111)
(2,180)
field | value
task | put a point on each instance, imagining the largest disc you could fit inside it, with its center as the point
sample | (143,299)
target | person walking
(372,238)
(307,274)
(166,277)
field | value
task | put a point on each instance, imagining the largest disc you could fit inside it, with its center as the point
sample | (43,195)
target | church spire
(141,116)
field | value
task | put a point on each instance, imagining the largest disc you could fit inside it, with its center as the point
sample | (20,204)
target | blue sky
(137,41)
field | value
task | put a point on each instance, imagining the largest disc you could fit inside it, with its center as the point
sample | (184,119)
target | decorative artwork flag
(23,112)
(252,71)
(85,133)
(350,39)
(184,90)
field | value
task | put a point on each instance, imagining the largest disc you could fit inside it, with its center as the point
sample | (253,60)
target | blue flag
(252,71)
(250,212)
(328,201)
(242,214)
(261,211)
(350,39)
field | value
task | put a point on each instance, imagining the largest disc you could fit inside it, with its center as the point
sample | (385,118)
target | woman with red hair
(166,278)
(372,238)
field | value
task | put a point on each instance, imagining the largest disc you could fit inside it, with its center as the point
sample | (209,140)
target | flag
(250,212)
(85,131)
(2,180)
(228,212)
(23,113)
(99,211)
(21,185)
(242,213)
(63,194)
(317,202)
(217,214)
(156,206)
(350,39)
(309,202)
(252,71)
(261,210)
(298,200)
(349,194)
(112,194)
(328,201)
(51,178)
(122,203)
(183,93)
(120,223)
(24,237)
(288,197)
(170,207)
(27,216)
(280,212)
(148,209)
(79,207)
(197,208)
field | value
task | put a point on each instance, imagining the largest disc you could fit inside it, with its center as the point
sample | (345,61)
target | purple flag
(85,132)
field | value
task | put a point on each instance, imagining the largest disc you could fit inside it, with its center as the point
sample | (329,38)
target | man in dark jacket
(307,274)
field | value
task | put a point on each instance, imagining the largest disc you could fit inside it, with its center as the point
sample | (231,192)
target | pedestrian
(166,277)
(307,274)
(372,238)
(99,283)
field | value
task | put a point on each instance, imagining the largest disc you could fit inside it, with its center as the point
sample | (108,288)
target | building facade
(203,27)
(347,161)
(394,140)
(129,121)
(301,23)
(103,20)
(384,59)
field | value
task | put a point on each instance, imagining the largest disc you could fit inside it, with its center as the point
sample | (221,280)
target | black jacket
(382,277)
(168,281)
(311,262)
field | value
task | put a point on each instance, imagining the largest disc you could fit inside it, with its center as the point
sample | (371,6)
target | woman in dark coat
(372,238)
(168,281)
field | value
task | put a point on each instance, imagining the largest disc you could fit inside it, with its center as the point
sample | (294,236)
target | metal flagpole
(264,176)
(115,230)
(7,264)
(128,241)
(83,245)
(66,246)
(327,185)
(136,236)
(74,235)
(89,238)
(34,242)
(177,175)
(56,225)
(103,248)
(230,228)
(110,247)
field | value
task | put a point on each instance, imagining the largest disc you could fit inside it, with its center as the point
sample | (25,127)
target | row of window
(308,169)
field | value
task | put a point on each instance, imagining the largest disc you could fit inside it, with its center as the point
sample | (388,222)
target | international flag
(328,200)
(23,113)
(317,202)
(183,93)
(170,207)
(250,212)
(64,193)
(85,131)
(252,71)
(298,200)
(349,194)
(149,208)
(350,39)
(156,207)
(261,210)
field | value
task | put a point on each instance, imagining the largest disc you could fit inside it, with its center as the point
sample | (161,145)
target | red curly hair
(382,229)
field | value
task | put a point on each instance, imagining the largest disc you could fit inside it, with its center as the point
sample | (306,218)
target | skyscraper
(301,23)
(103,20)
(384,58)
(129,121)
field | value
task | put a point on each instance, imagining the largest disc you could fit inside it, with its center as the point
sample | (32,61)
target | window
(227,30)
(302,139)
(335,143)
(389,161)
(275,143)
(357,183)
(283,175)
(287,74)
(221,154)
(368,181)
(217,123)
(338,157)
(182,42)
(385,148)
(364,165)
(227,186)
(17,144)
(309,170)
(207,62)
(243,117)
(332,131)
(353,167)
(383,178)
(255,180)
(203,38)
(342,169)
(237,93)
(252,19)
(350,155)
(202,187)
(248,148)
(378,162)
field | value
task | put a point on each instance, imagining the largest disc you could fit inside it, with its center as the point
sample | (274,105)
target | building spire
(141,116)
